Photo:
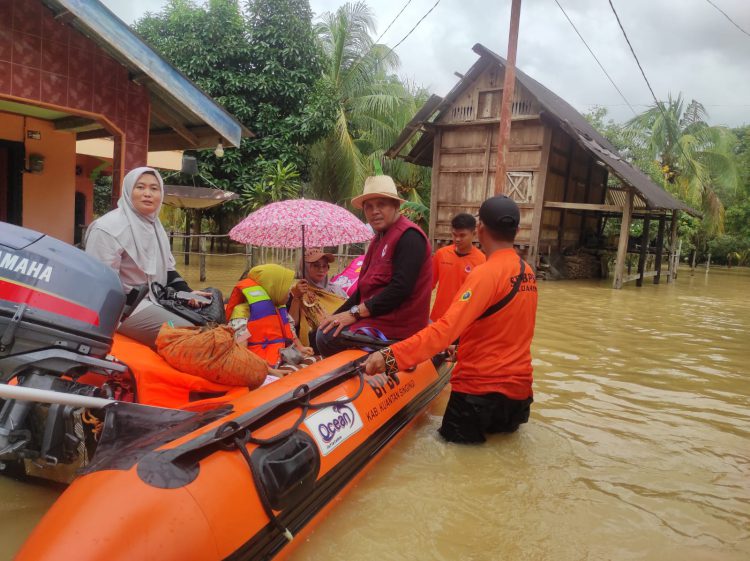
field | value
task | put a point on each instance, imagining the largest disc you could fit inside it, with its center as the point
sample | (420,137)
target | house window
(518,186)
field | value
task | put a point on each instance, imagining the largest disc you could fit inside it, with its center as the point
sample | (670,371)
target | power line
(659,105)
(391,49)
(415,26)
(611,81)
(734,23)
(638,62)
(393,20)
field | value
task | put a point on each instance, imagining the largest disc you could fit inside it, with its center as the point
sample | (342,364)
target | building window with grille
(519,186)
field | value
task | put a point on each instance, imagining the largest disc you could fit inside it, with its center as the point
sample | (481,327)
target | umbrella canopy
(284,224)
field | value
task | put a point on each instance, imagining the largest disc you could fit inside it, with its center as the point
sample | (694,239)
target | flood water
(637,448)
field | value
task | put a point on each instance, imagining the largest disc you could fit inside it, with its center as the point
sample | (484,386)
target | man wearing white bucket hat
(395,284)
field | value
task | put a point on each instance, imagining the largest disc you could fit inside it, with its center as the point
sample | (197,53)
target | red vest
(377,272)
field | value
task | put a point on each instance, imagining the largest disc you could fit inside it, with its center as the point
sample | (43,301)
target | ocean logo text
(333,425)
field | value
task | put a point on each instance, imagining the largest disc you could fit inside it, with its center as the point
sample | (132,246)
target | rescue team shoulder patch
(466,296)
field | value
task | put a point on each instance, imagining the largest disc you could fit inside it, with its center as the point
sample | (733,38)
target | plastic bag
(348,279)
(211,353)
(213,313)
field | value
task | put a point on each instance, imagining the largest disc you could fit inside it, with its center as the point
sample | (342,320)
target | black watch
(354,310)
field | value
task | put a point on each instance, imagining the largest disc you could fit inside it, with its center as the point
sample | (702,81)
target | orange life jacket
(268,325)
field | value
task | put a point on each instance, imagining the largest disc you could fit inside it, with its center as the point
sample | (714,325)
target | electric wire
(393,20)
(415,26)
(659,104)
(611,81)
(638,62)
(390,50)
(734,23)
(404,38)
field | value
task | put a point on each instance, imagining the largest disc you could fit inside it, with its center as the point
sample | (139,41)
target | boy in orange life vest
(452,264)
(494,314)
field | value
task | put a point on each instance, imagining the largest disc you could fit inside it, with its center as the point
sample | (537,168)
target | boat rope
(242,436)
(240,442)
(96,424)
(81,436)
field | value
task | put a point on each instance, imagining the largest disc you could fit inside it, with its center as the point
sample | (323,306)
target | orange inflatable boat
(164,465)
(243,480)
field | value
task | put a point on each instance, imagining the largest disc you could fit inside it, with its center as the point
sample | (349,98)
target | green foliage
(102,194)
(372,105)
(708,167)
(697,160)
(278,182)
(737,218)
(628,143)
(730,250)
(263,63)
(417,213)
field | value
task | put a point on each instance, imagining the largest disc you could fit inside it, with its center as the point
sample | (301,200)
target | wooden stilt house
(565,176)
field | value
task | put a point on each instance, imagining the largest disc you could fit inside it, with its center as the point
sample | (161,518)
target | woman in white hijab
(132,241)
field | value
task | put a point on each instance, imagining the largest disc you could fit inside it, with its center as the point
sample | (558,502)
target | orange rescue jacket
(268,325)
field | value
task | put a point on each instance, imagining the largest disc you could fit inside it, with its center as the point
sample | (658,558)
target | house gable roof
(570,120)
(189,105)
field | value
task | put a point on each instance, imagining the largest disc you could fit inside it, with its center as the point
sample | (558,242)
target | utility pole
(509,85)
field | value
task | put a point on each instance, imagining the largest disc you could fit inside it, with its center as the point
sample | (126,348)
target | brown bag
(211,353)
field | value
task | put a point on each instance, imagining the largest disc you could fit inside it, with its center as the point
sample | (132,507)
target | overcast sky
(684,46)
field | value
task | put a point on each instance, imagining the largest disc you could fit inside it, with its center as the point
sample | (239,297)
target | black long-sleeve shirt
(175,280)
(408,257)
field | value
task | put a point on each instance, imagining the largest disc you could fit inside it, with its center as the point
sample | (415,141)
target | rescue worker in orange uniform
(494,314)
(453,263)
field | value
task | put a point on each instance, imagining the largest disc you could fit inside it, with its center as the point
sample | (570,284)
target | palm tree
(369,101)
(696,159)
(279,182)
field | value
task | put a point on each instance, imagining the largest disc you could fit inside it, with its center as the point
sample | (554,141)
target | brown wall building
(72,71)
(566,177)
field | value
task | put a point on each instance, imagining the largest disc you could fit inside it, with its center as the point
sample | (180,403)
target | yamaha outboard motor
(59,309)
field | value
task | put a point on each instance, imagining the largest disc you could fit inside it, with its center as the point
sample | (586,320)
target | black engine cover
(60,296)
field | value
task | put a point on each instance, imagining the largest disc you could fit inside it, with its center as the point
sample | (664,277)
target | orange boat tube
(244,479)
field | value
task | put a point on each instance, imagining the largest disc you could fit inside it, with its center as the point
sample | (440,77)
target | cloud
(684,47)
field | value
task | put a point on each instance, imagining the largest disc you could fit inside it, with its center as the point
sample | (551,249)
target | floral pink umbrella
(299,223)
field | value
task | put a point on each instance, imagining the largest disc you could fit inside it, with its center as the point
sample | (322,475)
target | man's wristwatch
(354,310)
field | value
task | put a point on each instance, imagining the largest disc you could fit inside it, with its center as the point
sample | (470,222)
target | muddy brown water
(638,445)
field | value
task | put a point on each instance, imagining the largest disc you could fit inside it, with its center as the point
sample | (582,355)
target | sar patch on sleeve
(466,296)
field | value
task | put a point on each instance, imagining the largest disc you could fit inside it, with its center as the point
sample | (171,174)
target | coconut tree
(369,101)
(696,159)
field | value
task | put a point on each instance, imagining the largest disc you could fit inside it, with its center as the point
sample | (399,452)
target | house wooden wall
(544,164)
(465,153)
(572,176)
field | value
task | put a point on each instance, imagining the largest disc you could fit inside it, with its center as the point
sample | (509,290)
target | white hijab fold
(142,236)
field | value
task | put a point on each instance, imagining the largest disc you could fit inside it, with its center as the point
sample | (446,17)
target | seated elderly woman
(258,302)
(314,297)
(132,241)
